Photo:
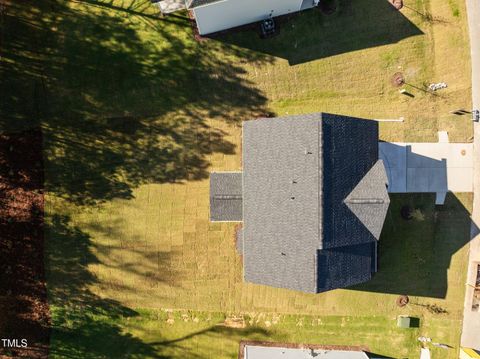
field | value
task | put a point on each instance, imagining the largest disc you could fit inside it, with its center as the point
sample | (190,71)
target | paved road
(471,320)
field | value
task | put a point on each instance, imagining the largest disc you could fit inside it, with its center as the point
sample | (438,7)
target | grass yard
(357,57)
(204,335)
(135,113)
(200,275)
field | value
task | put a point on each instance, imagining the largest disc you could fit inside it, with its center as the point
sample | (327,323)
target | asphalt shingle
(314,201)
(226,196)
(196,3)
(312,191)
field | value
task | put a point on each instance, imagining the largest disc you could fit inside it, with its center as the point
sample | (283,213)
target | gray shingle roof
(282,190)
(342,267)
(350,150)
(369,200)
(226,196)
(312,188)
(196,3)
(264,352)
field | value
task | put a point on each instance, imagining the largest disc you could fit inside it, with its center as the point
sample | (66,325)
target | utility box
(404,321)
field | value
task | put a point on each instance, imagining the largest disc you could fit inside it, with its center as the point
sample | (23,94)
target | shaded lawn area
(344,63)
(204,335)
(123,100)
(175,334)
(420,250)
(314,37)
(135,113)
(95,282)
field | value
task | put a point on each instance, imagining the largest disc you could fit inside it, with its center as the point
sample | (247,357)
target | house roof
(263,352)
(344,266)
(226,196)
(196,3)
(314,201)
(369,199)
(282,167)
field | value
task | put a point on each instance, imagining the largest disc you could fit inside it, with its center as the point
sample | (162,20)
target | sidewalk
(471,320)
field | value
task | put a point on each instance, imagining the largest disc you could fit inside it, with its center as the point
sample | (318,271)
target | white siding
(230,13)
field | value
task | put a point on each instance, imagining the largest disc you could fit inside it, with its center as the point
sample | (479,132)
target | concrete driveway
(428,167)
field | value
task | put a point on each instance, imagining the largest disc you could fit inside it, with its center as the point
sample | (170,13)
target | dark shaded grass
(415,255)
(118,108)
(357,25)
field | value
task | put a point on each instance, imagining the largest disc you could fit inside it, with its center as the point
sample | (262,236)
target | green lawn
(200,276)
(205,335)
(135,113)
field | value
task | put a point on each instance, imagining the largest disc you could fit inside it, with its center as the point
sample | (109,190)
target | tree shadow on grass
(415,255)
(217,333)
(84,325)
(120,104)
(310,35)
(122,98)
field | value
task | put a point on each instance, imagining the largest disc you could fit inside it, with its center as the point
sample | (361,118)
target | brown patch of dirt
(398,79)
(397,4)
(403,300)
(235,322)
(193,24)
(24,308)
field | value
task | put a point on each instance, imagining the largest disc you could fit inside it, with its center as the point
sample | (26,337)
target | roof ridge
(366,198)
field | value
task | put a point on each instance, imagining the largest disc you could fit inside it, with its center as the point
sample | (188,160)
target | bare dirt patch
(402,300)
(235,322)
(398,79)
(398,4)
(23,302)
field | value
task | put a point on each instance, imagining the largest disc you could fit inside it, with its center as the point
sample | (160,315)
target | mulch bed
(398,79)
(402,300)
(398,4)
(24,310)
